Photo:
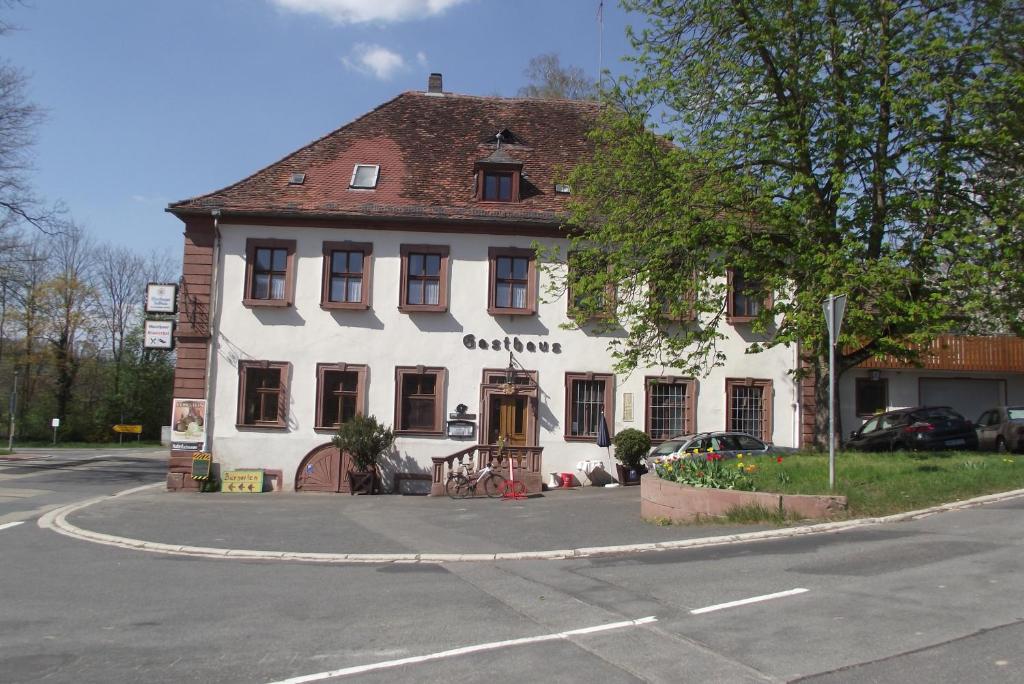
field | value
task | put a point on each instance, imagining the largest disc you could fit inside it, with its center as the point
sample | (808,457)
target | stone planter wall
(661,499)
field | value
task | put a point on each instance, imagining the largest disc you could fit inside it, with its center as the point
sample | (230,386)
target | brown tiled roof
(427,147)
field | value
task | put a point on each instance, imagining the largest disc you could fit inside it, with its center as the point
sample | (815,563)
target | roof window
(364,176)
(297,179)
(562,188)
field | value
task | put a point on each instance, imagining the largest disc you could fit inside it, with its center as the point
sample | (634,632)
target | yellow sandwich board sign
(242,481)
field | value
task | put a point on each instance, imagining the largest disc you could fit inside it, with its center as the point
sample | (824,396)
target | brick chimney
(434,83)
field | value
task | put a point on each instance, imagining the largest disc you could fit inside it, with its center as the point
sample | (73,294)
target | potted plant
(365,440)
(631,445)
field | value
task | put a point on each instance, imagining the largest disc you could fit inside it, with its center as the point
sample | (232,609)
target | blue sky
(151,101)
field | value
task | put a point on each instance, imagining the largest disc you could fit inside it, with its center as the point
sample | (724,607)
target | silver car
(726,444)
(1001,429)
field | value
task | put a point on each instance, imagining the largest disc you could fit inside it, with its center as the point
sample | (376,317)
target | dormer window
(364,176)
(498,177)
(497,186)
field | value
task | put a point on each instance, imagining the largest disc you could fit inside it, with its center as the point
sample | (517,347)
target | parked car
(1001,428)
(726,444)
(929,428)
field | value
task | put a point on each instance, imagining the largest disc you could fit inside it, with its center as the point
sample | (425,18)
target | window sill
(498,202)
(268,303)
(341,306)
(689,318)
(423,308)
(253,426)
(422,433)
(739,320)
(579,438)
(496,311)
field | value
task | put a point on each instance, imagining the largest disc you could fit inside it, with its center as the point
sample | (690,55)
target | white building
(389,269)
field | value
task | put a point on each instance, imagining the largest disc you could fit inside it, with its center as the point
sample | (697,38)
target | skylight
(364,176)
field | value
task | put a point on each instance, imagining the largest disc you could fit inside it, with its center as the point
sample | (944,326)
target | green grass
(759,514)
(884,483)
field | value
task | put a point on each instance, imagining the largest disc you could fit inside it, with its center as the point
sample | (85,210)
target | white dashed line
(10,524)
(359,669)
(743,602)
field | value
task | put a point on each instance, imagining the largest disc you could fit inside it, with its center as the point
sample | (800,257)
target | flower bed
(661,499)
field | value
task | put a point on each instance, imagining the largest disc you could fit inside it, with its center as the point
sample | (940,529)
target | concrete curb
(56,520)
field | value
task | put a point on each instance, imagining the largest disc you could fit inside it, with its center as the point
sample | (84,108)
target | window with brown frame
(340,393)
(346,275)
(590,297)
(513,281)
(424,284)
(746,298)
(872,396)
(263,394)
(419,399)
(748,407)
(269,272)
(588,396)
(498,186)
(671,407)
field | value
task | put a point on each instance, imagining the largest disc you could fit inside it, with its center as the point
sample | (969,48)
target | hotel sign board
(161,298)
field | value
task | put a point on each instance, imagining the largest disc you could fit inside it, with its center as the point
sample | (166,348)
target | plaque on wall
(461,428)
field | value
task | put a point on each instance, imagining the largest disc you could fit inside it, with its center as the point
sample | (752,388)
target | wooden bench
(414,477)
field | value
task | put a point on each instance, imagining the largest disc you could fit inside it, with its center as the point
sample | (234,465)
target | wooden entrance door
(508,418)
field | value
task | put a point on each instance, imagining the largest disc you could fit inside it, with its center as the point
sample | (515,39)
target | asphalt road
(935,600)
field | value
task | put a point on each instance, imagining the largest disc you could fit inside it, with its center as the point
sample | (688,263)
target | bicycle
(462,482)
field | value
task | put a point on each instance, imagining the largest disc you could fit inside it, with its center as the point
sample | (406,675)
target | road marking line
(743,602)
(358,669)
(10,524)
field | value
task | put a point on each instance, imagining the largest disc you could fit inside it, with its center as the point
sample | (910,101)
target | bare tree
(29,275)
(18,120)
(120,279)
(70,298)
(549,80)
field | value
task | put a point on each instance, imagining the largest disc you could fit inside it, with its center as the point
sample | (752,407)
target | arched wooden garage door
(321,470)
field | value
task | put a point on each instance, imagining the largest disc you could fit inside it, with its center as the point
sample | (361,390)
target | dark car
(1001,428)
(726,444)
(929,428)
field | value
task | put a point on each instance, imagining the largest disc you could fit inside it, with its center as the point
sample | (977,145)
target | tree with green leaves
(767,154)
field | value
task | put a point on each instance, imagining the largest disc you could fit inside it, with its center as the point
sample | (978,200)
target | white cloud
(359,11)
(375,60)
(421,58)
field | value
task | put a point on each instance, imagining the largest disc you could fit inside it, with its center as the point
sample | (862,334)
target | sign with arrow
(242,482)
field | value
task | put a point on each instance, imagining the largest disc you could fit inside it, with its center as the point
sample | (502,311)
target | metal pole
(831,392)
(14,409)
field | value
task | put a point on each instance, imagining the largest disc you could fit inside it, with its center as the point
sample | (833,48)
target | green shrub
(365,439)
(631,445)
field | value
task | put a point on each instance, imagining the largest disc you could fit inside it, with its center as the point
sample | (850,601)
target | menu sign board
(158,335)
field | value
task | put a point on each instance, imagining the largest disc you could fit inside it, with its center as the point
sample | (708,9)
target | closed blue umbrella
(602,432)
